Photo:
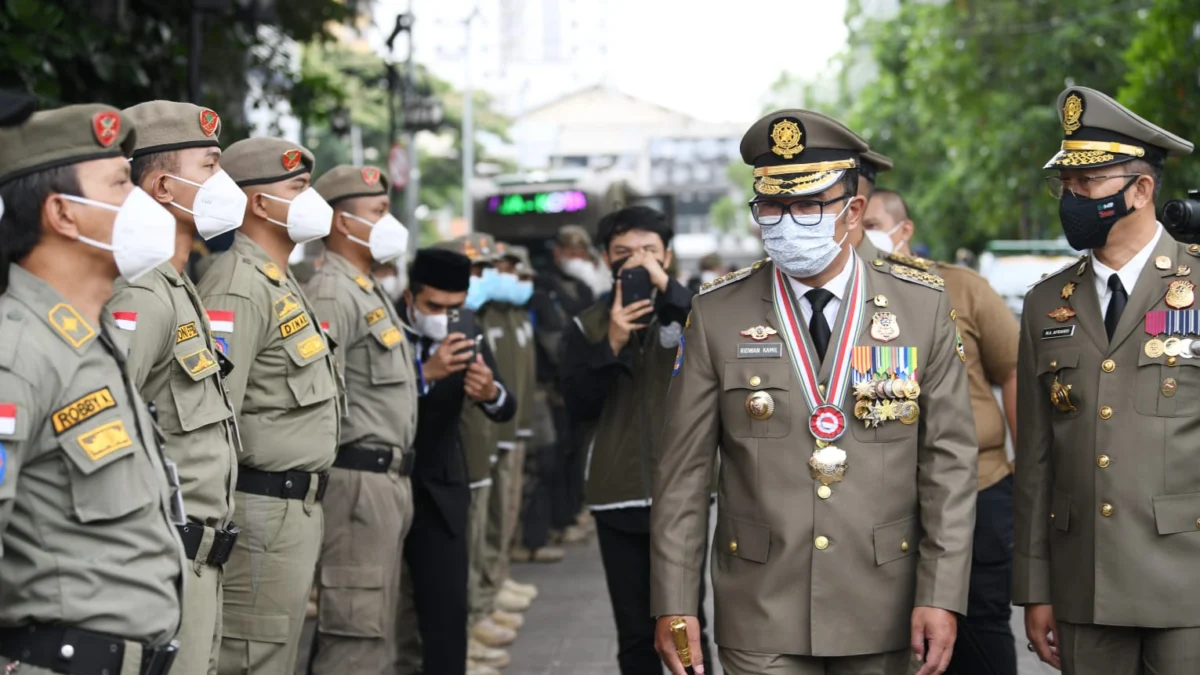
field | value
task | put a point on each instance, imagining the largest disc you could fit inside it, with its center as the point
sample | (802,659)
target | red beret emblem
(209,122)
(370,175)
(291,160)
(106,125)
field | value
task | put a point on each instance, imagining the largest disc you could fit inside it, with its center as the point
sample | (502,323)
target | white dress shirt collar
(837,285)
(1128,274)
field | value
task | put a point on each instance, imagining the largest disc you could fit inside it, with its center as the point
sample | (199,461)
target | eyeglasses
(1082,184)
(770,212)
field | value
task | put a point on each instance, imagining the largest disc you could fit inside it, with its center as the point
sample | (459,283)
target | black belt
(222,546)
(74,651)
(370,459)
(282,484)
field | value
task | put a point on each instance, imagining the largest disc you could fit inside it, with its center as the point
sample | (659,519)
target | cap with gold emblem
(347,182)
(873,163)
(799,152)
(1098,131)
(69,135)
(259,161)
(164,126)
(480,248)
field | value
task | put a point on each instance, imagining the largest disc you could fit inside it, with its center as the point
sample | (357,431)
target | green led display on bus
(565,201)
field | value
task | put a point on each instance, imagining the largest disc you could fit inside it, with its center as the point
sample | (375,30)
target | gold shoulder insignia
(272,271)
(1194,249)
(918,277)
(363,283)
(911,261)
(732,277)
(1081,261)
(68,323)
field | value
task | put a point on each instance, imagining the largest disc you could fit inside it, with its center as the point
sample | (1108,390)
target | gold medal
(760,405)
(1181,294)
(912,390)
(1068,290)
(888,411)
(909,412)
(828,464)
(1171,346)
(884,327)
(1162,262)
(862,409)
(1060,396)
(881,301)
(1168,387)
(1154,348)
(864,390)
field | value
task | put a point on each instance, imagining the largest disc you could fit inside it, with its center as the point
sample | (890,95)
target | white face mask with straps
(143,233)
(883,240)
(219,205)
(388,239)
(309,216)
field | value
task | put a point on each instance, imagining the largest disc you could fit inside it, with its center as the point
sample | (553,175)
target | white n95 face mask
(433,326)
(309,216)
(143,234)
(388,240)
(882,240)
(803,251)
(219,205)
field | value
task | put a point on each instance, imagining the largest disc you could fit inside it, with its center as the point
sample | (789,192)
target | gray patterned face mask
(803,251)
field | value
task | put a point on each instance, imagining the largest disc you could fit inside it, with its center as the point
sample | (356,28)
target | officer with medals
(833,387)
(1107,508)
(91,564)
(284,388)
(368,508)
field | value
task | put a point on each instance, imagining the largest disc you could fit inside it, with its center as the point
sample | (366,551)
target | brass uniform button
(1102,461)
(1109,365)
(904,546)
(733,546)
(821,543)
(1053,364)
(1170,360)
(821,388)
(1051,516)
(1198,523)
(755,381)
(1106,510)
(1105,412)
(824,492)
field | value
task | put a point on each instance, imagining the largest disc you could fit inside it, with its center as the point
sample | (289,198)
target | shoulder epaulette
(1082,261)
(733,276)
(910,261)
(1194,249)
(918,277)
(272,272)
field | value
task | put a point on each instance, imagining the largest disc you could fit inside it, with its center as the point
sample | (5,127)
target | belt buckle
(406,462)
(322,483)
(158,660)
(223,544)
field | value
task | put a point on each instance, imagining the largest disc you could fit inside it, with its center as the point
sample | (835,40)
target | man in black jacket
(436,548)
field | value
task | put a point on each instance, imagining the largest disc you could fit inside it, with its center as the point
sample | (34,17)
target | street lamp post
(468,128)
(404,23)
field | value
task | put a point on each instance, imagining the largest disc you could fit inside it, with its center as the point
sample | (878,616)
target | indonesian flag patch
(8,419)
(221,322)
(325,326)
(126,320)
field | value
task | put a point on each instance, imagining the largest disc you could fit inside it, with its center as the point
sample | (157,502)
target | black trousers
(437,563)
(570,460)
(624,536)
(985,643)
(540,465)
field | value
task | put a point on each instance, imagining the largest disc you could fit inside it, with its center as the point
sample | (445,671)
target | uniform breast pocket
(308,378)
(388,357)
(197,393)
(1167,386)
(107,479)
(1058,373)
(755,400)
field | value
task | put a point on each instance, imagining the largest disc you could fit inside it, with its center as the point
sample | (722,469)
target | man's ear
(59,216)
(159,186)
(256,205)
(855,211)
(1143,192)
(341,222)
(908,230)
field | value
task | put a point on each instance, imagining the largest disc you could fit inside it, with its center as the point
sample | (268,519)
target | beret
(259,161)
(345,182)
(164,126)
(63,136)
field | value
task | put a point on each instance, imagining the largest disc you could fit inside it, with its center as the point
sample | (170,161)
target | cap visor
(797,185)
(1076,159)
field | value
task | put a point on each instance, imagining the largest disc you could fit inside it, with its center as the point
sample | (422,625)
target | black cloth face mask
(1087,222)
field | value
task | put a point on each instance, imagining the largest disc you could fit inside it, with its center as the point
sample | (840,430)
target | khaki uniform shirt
(87,536)
(374,354)
(284,385)
(799,567)
(499,330)
(172,360)
(525,372)
(1107,500)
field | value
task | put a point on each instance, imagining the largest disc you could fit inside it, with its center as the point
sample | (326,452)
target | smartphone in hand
(635,287)
(463,321)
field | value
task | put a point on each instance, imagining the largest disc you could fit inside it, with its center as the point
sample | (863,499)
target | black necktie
(818,327)
(1116,304)
(426,347)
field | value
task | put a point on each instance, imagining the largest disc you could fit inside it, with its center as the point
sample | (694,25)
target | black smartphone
(635,287)
(463,321)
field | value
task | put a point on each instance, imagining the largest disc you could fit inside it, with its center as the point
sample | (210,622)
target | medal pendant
(910,412)
(827,423)
(1181,294)
(912,390)
(828,464)
(1060,396)
(1171,346)
(884,327)
(1185,349)
(1061,314)
(862,409)
(1154,348)
(760,405)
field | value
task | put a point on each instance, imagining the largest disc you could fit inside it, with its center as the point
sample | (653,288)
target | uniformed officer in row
(834,389)
(173,359)
(91,564)
(871,164)
(284,387)
(989,332)
(368,509)
(1107,509)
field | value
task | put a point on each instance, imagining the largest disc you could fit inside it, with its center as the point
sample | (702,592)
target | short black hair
(144,165)
(21,225)
(1150,169)
(894,203)
(849,180)
(631,218)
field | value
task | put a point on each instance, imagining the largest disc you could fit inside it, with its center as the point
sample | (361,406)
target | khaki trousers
(267,583)
(1087,649)
(477,522)
(200,625)
(367,516)
(735,662)
(504,505)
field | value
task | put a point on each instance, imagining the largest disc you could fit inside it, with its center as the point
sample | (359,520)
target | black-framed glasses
(806,212)
(1083,184)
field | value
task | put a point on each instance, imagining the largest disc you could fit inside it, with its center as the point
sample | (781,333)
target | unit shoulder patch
(912,261)
(915,276)
(733,276)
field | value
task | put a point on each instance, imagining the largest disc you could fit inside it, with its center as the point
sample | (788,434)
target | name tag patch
(293,326)
(760,350)
(104,440)
(186,332)
(1060,332)
(82,409)
(285,306)
(310,346)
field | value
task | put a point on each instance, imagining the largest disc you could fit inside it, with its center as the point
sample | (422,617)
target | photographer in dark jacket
(617,364)
(436,547)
